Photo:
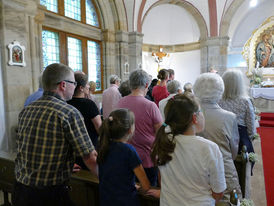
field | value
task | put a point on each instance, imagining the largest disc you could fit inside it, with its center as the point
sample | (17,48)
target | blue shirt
(33,97)
(116,176)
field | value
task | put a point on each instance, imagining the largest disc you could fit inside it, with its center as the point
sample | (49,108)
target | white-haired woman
(237,101)
(220,126)
(148,120)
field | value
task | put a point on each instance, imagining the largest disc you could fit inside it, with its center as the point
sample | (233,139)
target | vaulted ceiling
(168,20)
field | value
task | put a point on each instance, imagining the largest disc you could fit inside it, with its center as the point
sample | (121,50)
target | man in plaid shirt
(50,134)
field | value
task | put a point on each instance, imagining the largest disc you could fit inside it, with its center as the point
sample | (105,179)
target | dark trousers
(24,195)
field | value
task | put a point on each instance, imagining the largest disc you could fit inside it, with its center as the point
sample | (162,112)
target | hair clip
(167,129)
(110,118)
(164,124)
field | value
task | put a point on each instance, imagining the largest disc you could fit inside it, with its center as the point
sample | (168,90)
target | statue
(265,51)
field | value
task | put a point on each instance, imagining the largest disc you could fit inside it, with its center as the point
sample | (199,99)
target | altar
(263,98)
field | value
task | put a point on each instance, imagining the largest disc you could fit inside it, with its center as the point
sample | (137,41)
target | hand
(137,187)
(154,193)
(76,168)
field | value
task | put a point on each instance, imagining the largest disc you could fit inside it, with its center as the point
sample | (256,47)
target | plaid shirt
(50,134)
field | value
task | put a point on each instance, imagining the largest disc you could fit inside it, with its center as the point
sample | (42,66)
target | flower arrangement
(247,202)
(253,157)
(257,75)
(255,136)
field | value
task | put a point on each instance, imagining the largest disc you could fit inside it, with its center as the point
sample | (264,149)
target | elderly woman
(236,100)
(148,120)
(220,125)
(87,108)
(173,87)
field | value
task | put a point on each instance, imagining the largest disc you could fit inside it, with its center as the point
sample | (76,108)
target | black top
(89,110)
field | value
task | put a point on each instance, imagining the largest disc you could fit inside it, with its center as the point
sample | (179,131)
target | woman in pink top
(160,92)
(148,120)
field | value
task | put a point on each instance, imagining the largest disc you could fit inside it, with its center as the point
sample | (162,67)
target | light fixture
(253,3)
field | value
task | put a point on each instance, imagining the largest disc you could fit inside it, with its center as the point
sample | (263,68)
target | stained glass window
(75,54)
(50,47)
(94,63)
(73,9)
(51,5)
(91,15)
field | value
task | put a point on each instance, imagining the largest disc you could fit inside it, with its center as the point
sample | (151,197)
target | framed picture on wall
(16,54)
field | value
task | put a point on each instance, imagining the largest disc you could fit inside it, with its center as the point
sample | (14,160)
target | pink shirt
(147,115)
(111,97)
(159,93)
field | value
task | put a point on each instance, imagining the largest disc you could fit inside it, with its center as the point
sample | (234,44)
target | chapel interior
(104,37)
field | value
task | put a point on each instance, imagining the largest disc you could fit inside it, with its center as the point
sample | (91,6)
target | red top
(159,93)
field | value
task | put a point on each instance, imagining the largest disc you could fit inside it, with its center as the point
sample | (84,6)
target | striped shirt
(50,134)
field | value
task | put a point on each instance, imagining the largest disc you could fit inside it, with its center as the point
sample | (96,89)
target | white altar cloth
(266,93)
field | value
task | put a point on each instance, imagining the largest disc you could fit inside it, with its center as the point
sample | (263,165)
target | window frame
(61,12)
(63,51)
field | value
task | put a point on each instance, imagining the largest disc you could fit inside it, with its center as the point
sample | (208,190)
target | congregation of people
(150,136)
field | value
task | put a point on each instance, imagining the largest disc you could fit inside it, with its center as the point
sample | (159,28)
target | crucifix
(158,56)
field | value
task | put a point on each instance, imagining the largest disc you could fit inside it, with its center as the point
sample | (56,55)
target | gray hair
(113,78)
(173,86)
(209,87)
(188,87)
(138,79)
(54,74)
(234,84)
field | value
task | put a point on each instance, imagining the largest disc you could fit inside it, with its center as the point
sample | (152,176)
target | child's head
(182,114)
(118,126)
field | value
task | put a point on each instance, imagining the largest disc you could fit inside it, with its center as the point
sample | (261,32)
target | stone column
(109,56)
(214,54)
(135,50)
(17,24)
(122,54)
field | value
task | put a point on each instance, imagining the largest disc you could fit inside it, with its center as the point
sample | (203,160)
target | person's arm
(97,122)
(142,177)
(250,119)
(90,162)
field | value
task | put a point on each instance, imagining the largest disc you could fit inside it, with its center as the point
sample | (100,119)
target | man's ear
(62,86)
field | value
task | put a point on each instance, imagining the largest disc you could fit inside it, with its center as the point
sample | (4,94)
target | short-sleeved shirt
(110,98)
(196,168)
(50,134)
(159,93)
(116,176)
(147,114)
(89,111)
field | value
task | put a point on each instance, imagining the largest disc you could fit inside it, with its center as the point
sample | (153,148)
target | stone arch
(227,17)
(113,15)
(186,5)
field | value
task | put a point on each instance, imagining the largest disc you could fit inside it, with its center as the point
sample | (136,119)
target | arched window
(80,10)
(78,52)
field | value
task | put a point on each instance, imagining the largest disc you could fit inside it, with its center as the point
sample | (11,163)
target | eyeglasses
(75,83)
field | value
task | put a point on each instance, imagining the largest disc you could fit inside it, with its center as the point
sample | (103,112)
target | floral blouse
(244,110)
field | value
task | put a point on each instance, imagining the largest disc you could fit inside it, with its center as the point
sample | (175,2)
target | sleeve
(133,158)
(77,135)
(91,109)
(156,116)
(250,118)
(216,170)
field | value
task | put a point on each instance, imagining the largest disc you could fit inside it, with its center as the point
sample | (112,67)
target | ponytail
(104,140)
(178,117)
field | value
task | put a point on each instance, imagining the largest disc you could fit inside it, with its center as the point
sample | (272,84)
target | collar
(210,105)
(114,85)
(49,93)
